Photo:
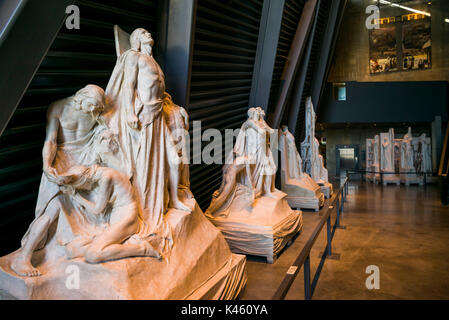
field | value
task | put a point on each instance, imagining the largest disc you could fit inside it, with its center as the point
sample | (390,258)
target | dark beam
(301,78)
(179,49)
(24,46)
(294,56)
(327,50)
(270,27)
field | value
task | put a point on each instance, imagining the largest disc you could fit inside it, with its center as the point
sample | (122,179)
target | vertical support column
(180,31)
(270,26)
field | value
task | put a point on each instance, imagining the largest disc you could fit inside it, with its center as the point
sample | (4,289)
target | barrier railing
(335,204)
(382,173)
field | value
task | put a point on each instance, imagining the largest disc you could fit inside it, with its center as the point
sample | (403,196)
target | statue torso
(73,124)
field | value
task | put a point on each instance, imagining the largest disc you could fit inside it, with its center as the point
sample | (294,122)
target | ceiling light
(404,7)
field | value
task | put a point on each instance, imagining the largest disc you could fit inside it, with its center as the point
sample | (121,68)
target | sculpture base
(409,179)
(390,179)
(303,193)
(432,179)
(314,203)
(263,229)
(326,189)
(375,178)
(200,266)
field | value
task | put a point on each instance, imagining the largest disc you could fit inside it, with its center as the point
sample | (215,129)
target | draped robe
(147,150)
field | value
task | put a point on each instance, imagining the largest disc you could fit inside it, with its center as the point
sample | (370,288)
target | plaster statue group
(310,153)
(115,199)
(399,160)
(252,214)
(115,203)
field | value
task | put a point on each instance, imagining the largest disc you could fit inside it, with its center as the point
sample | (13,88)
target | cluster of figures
(249,171)
(116,184)
(112,166)
(254,216)
(399,160)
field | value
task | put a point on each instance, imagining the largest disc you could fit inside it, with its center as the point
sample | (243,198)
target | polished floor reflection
(402,230)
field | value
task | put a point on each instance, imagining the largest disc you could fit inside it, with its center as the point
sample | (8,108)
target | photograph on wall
(383,53)
(416,45)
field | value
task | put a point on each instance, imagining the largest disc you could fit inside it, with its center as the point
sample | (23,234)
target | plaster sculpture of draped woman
(407,155)
(387,164)
(295,162)
(376,153)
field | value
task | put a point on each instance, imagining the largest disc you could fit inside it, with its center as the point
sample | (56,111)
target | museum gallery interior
(224,149)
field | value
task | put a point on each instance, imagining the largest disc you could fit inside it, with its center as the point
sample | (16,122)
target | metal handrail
(382,173)
(303,259)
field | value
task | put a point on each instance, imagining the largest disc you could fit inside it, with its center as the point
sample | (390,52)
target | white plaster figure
(310,153)
(303,192)
(252,214)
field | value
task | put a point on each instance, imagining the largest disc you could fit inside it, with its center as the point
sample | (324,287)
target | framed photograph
(416,45)
(383,52)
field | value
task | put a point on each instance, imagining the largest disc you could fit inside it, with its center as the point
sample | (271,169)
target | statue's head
(141,39)
(260,111)
(81,177)
(253,114)
(90,99)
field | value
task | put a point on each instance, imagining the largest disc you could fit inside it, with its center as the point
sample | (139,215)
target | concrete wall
(358,136)
(351,61)
(375,102)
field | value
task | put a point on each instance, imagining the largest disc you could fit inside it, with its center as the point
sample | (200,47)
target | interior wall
(351,61)
(370,102)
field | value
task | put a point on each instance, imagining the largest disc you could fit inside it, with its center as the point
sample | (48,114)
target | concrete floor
(402,230)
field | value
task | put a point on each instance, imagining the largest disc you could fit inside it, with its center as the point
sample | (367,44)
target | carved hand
(68,189)
(133,122)
(54,177)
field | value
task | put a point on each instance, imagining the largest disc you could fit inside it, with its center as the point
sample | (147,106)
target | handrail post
(307,278)
(337,209)
(329,236)
(342,199)
(347,189)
